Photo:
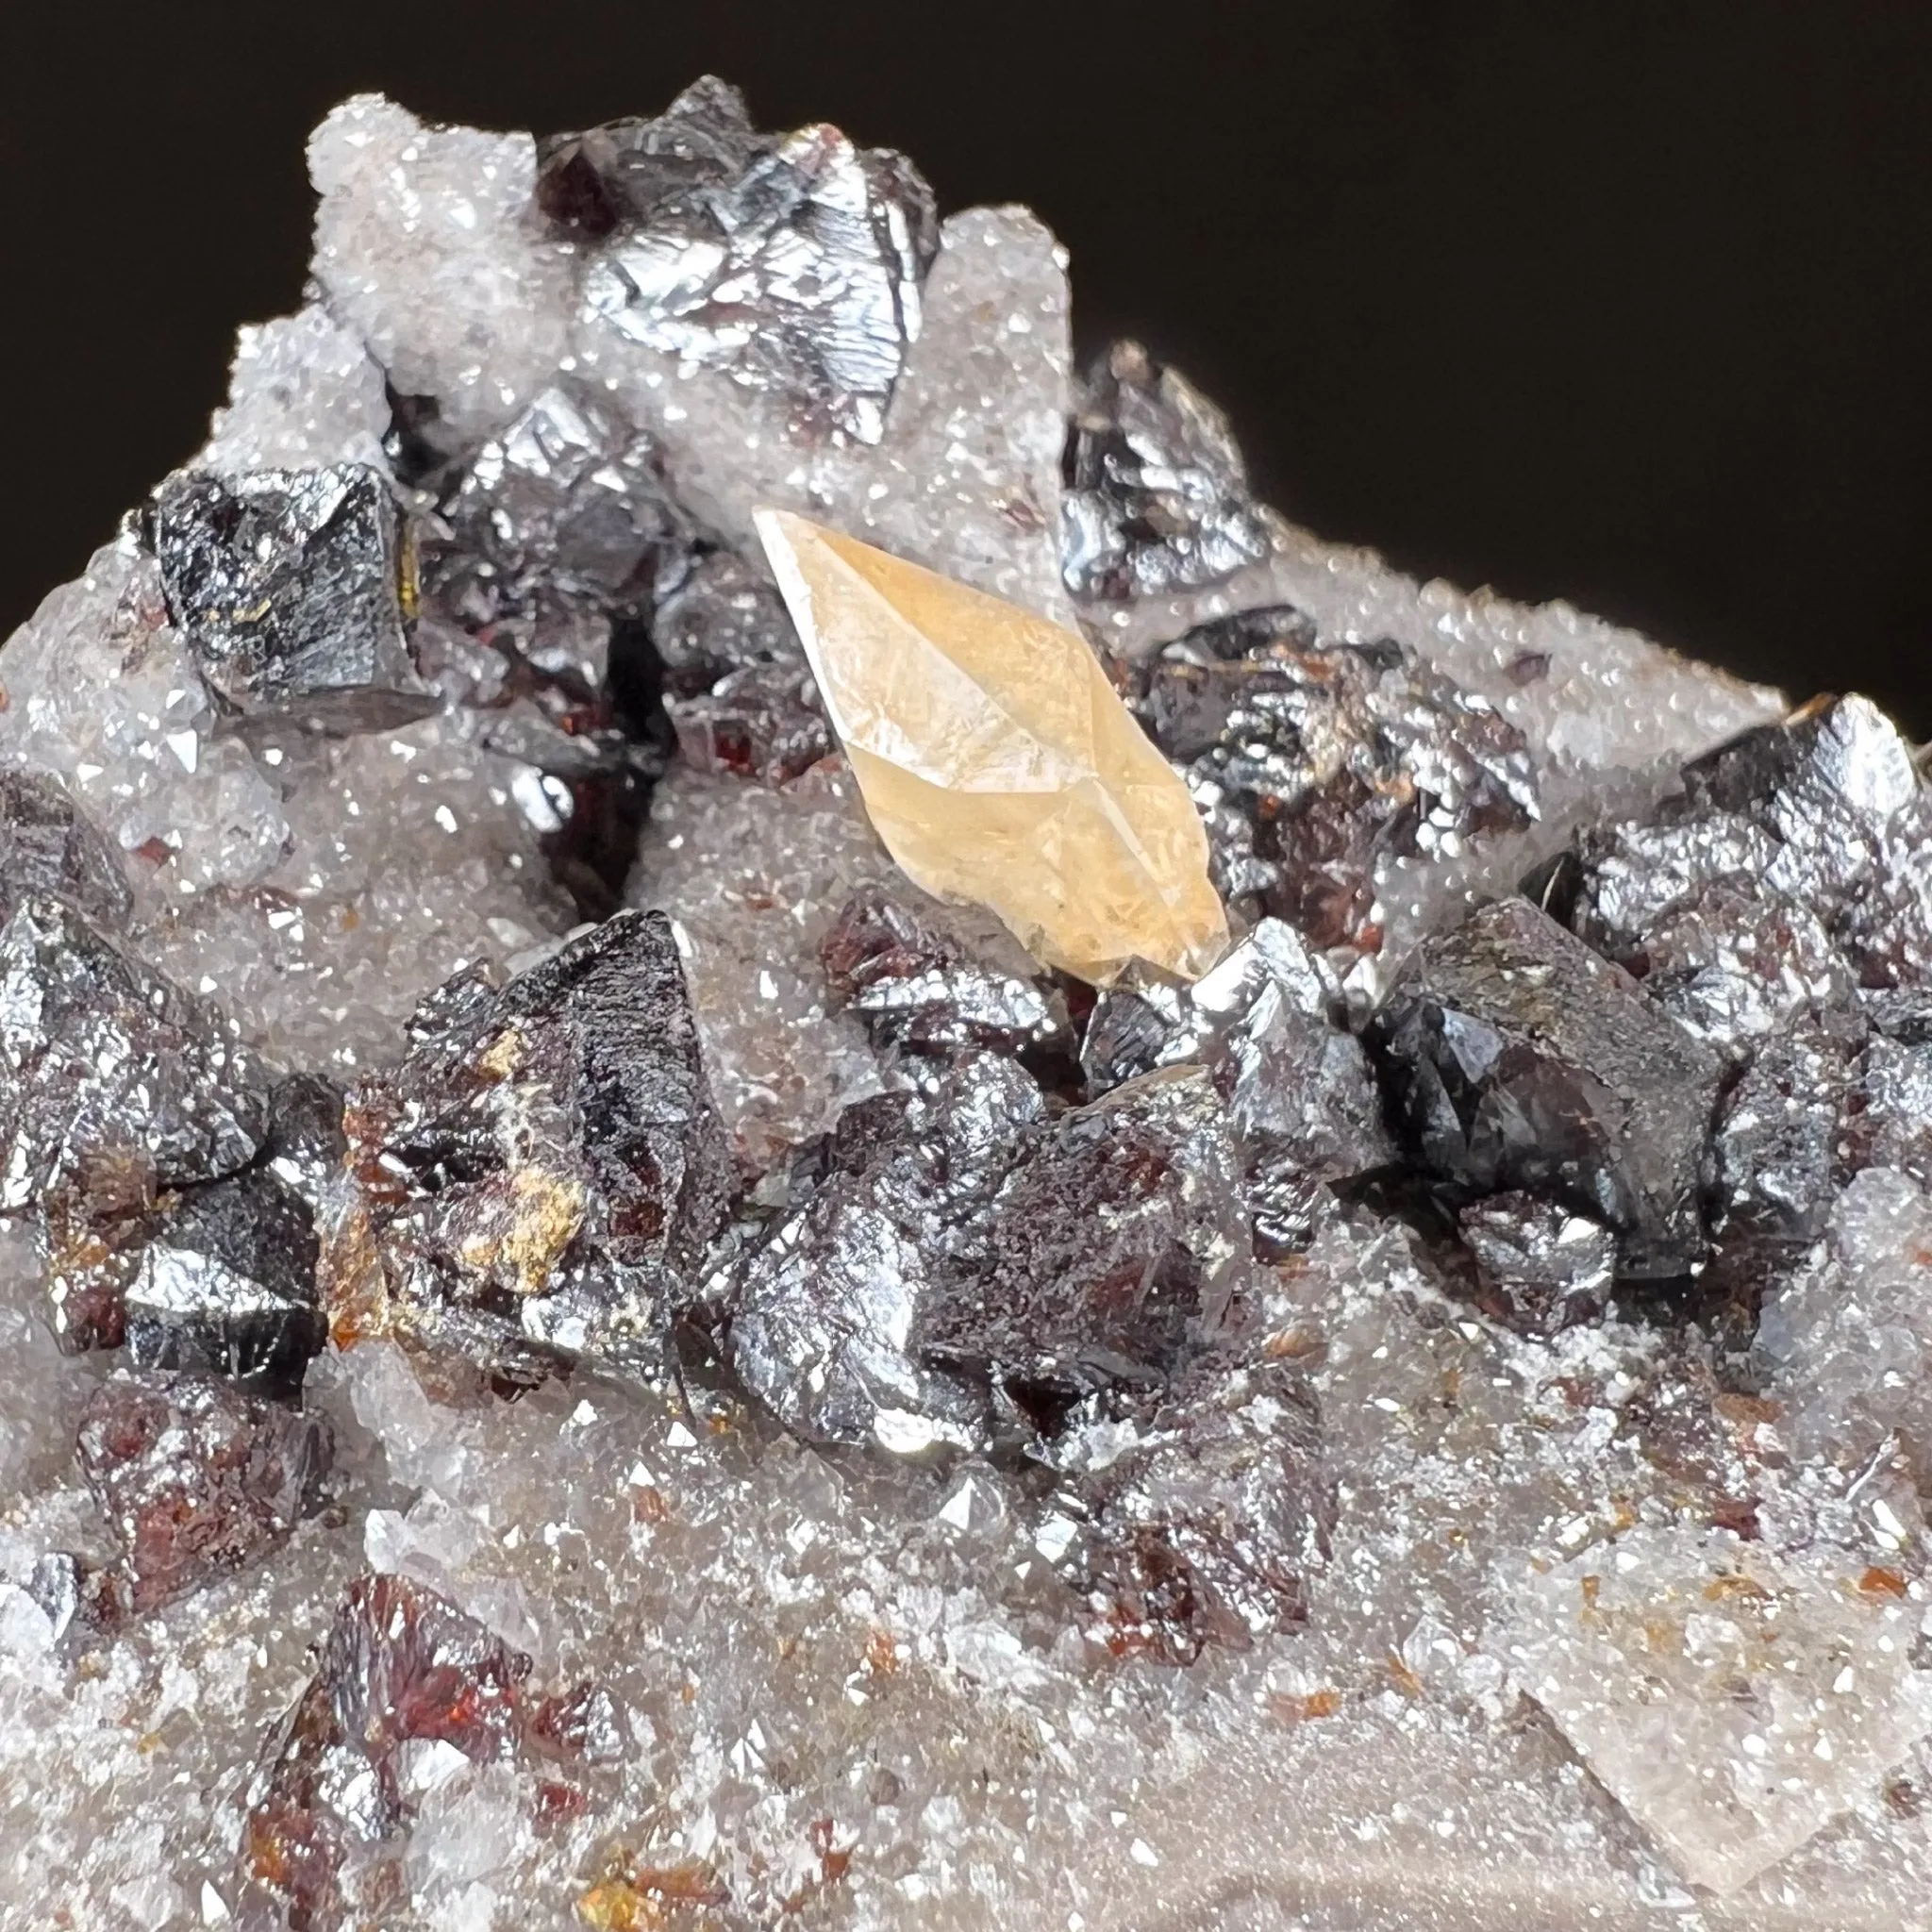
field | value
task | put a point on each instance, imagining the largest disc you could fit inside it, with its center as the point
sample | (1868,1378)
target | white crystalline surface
(1849,1343)
(316,888)
(1705,1682)
(305,391)
(1598,1640)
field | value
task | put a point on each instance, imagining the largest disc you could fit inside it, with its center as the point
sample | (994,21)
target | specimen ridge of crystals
(790,1136)
(997,761)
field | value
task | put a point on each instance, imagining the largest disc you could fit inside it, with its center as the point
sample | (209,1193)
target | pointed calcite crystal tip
(997,762)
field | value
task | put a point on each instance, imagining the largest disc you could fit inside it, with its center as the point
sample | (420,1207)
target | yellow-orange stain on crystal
(997,762)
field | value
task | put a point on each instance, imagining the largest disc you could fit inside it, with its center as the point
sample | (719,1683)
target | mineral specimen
(997,763)
(541,1172)
(1299,1089)
(1517,1059)
(1156,493)
(1311,763)
(292,587)
(1378,1376)
(195,1478)
(699,222)
(227,1284)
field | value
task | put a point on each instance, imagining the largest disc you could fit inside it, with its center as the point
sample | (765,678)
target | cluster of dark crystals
(172,1182)
(793,262)
(1520,1060)
(330,1809)
(964,1269)
(594,629)
(1269,1024)
(1773,908)
(292,587)
(961,1263)
(912,988)
(583,605)
(543,1170)
(538,576)
(1157,494)
(1311,762)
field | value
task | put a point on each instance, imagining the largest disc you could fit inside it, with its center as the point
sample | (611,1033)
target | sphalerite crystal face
(790,1135)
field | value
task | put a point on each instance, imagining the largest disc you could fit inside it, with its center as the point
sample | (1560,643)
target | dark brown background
(1626,303)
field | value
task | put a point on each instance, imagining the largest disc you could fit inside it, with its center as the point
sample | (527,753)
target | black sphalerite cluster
(1044,1240)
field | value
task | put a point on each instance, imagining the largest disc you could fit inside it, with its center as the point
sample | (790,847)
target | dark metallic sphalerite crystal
(1517,1060)
(227,1284)
(1157,496)
(1541,1268)
(913,988)
(1299,1091)
(48,846)
(114,1085)
(196,1479)
(544,1168)
(1778,878)
(793,262)
(1201,1514)
(1114,1248)
(401,1665)
(823,1312)
(1312,761)
(292,587)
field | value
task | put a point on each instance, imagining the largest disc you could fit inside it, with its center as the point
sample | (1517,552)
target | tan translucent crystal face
(998,762)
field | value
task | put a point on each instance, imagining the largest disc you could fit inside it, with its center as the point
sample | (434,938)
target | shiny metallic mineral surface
(790,1136)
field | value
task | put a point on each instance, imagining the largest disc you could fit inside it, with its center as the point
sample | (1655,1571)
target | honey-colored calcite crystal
(997,761)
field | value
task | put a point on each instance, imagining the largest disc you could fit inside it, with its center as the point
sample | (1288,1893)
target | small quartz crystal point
(997,761)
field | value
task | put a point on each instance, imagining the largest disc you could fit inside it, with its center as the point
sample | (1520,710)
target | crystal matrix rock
(997,762)
(1128,1459)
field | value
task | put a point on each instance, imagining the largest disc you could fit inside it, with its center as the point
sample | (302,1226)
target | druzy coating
(997,762)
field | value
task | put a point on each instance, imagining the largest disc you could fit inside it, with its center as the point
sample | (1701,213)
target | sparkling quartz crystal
(997,762)
(1621,1646)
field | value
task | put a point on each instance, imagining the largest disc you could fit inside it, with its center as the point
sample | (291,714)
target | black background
(1624,302)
